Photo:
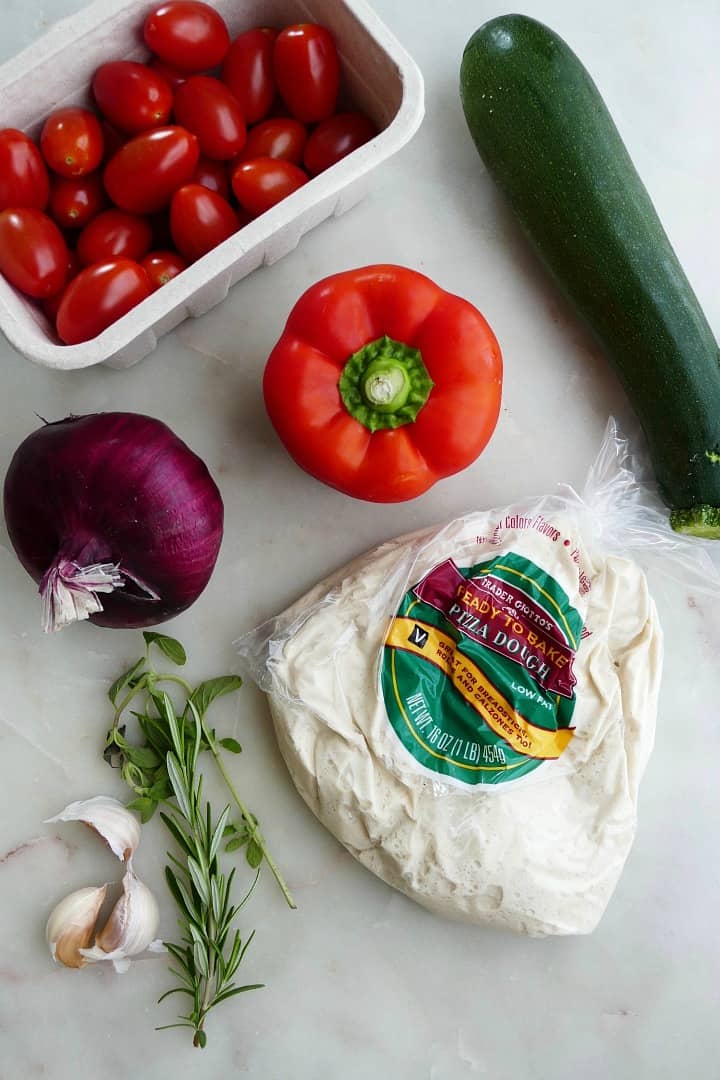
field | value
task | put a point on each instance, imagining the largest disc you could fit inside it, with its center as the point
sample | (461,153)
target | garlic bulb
(131,927)
(117,825)
(71,925)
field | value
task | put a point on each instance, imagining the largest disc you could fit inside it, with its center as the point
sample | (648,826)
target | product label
(477,670)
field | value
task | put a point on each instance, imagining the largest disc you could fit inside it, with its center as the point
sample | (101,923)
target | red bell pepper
(383,383)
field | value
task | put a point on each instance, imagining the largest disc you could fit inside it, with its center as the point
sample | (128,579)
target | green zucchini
(549,142)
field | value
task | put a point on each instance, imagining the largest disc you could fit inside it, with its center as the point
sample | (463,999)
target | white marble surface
(360,982)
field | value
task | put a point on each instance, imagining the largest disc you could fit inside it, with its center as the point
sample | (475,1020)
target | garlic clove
(117,825)
(71,925)
(131,927)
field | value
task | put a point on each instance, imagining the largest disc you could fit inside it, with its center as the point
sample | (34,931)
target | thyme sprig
(143,765)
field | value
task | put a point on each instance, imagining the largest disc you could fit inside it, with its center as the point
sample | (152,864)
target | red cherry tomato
(282,138)
(51,306)
(171,75)
(114,235)
(162,266)
(145,172)
(206,107)
(307,71)
(72,142)
(33,253)
(132,96)
(263,182)
(336,137)
(75,200)
(200,220)
(248,71)
(213,175)
(188,35)
(23,175)
(98,296)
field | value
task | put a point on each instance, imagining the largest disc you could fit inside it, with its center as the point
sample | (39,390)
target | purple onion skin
(118,488)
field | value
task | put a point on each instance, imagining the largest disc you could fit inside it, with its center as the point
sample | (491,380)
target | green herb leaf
(254,854)
(123,681)
(236,843)
(143,756)
(237,990)
(204,694)
(168,645)
(232,745)
(144,806)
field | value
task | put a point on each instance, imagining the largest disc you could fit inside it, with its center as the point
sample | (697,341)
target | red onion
(112,505)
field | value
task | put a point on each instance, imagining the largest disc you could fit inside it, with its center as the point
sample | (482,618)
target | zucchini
(547,139)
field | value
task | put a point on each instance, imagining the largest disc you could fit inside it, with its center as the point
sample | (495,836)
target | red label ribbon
(504,619)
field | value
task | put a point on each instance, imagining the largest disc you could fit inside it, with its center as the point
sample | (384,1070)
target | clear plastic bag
(470,708)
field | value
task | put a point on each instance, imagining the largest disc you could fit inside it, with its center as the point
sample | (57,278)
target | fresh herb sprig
(209,954)
(143,765)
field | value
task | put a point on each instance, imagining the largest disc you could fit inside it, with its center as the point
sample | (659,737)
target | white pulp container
(378,75)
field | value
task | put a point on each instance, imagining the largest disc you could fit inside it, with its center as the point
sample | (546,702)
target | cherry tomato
(336,137)
(145,172)
(132,96)
(74,200)
(206,107)
(51,306)
(72,141)
(213,175)
(307,71)
(278,138)
(262,182)
(200,220)
(162,266)
(248,71)
(33,253)
(171,75)
(23,175)
(188,35)
(98,296)
(114,235)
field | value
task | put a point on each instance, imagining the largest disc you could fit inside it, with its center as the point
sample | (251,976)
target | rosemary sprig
(209,953)
(144,767)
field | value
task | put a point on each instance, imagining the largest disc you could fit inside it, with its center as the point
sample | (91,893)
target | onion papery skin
(121,489)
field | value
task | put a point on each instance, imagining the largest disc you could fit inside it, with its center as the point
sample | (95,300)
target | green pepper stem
(385,384)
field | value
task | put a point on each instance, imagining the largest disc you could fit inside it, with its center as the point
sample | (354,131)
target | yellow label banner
(424,640)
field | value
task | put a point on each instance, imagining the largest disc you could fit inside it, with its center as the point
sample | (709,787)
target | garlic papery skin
(71,925)
(131,927)
(117,825)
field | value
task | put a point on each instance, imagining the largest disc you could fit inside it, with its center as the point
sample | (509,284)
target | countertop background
(360,982)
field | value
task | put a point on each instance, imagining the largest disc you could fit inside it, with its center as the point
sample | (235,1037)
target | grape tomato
(188,35)
(33,252)
(114,234)
(200,219)
(261,183)
(248,72)
(99,295)
(72,141)
(163,266)
(145,172)
(24,177)
(335,138)
(281,137)
(132,96)
(206,107)
(307,71)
